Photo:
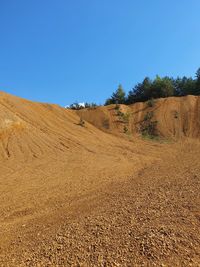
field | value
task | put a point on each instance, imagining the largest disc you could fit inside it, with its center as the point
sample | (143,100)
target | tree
(198,74)
(177,86)
(185,86)
(141,92)
(162,87)
(118,97)
(157,88)
(198,82)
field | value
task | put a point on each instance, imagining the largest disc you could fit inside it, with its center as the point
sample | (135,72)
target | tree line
(157,88)
(77,106)
(151,89)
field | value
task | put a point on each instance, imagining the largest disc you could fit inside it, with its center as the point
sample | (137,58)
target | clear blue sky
(60,51)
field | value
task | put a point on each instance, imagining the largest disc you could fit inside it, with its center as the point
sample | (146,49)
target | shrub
(151,102)
(119,113)
(123,116)
(126,116)
(148,116)
(149,127)
(82,122)
(126,129)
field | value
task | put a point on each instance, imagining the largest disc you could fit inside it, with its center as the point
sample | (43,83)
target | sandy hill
(29,130)
(80,196)
(176,117)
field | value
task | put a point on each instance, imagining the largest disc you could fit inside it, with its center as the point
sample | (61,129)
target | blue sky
(63,51)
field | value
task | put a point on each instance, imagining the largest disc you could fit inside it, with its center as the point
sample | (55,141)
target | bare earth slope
(77,196)
(176,117)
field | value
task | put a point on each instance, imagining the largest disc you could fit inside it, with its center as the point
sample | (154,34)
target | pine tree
(118,97)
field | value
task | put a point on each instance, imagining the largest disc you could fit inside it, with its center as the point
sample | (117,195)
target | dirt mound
(75,195)
(32,130)
(175,117)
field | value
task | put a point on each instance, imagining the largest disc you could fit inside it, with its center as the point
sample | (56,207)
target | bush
(151,102)
(148,116)
(119,113)
(123,116)
(126,116)
(149,127)
(82,122)
(126,130)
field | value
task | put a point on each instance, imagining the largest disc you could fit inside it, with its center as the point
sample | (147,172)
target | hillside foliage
(150,89)
(160,87)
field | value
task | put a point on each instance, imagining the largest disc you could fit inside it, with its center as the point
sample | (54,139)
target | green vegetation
(126,130)
(123,116)
(148,116)
(151,103)
(77,106)
(118,97)
(90,105)
(149,90)
(126,117)
(148,127)
(119,113)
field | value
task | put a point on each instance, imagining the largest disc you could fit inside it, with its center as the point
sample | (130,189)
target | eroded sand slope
(176,117)
(77,196)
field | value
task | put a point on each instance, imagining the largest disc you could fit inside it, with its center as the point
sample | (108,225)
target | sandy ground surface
(149,217)
(76,196)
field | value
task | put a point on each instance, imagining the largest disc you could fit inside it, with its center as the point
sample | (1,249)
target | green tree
(198,82)
(118,97)
(185,86)
(198,74)
(141,92)
(162,87)
(157,88)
